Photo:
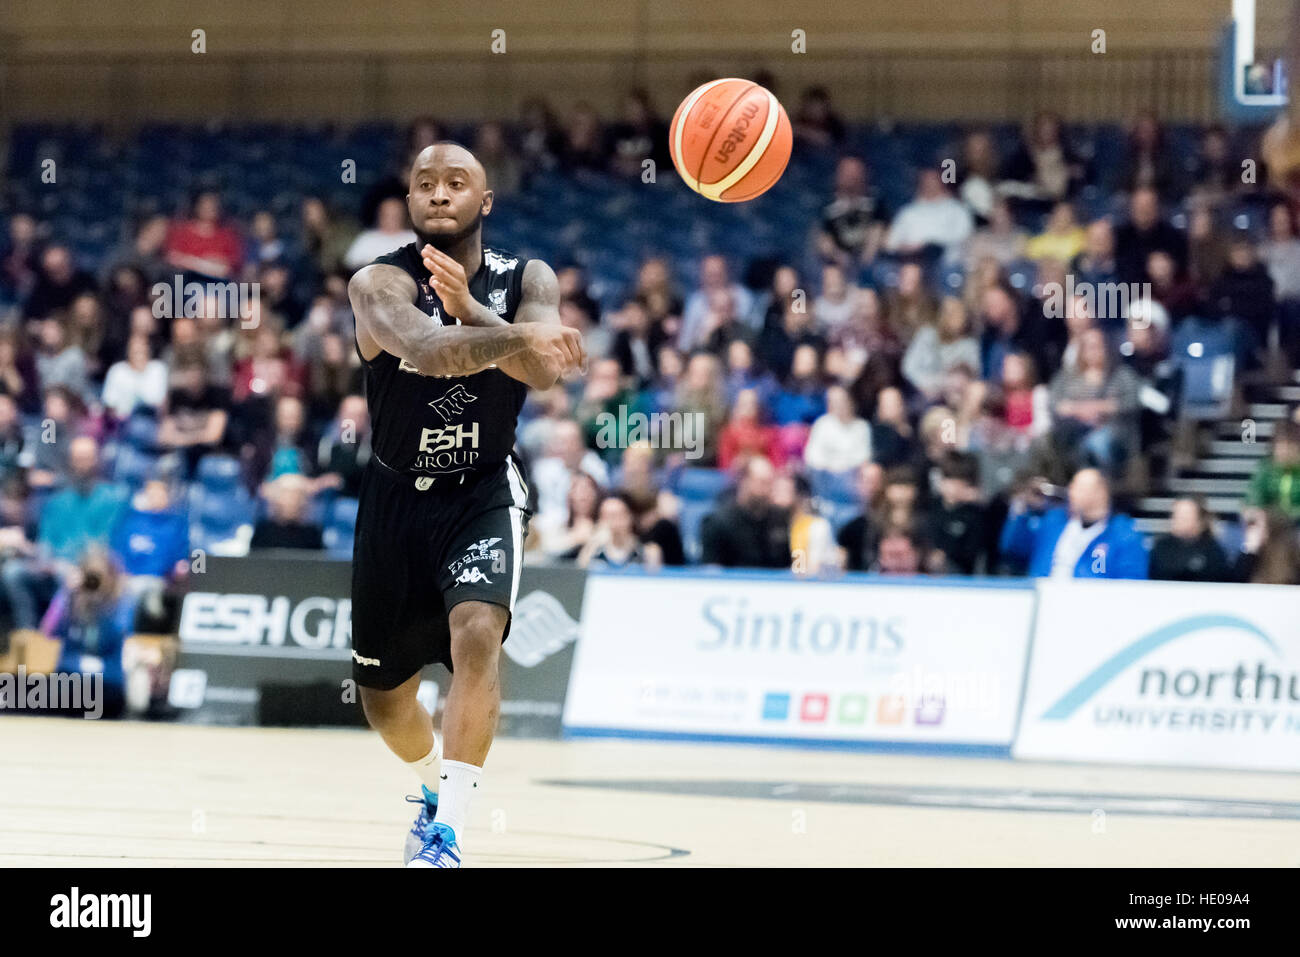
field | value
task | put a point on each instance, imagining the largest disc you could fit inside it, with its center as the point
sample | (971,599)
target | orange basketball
(730,140)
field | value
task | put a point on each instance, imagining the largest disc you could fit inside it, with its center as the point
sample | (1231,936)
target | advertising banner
(267,639)
(853,661)
(1165,673)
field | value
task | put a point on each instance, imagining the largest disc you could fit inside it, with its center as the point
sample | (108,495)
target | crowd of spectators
(869,415)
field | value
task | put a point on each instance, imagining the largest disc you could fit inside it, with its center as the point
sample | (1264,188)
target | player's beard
(448,241)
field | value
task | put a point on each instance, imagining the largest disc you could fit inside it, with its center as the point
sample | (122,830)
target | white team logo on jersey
(452,402)
(497,301)
(498,263)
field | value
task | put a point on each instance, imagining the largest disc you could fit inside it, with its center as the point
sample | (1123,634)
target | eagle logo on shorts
(453,402)
(480,551)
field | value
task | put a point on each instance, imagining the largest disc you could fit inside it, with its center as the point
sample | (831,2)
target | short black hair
(962,466)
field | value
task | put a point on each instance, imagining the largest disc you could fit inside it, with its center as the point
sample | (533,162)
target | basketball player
(452,333)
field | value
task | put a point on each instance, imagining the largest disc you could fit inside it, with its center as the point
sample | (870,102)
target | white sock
(459,783)
(427,768)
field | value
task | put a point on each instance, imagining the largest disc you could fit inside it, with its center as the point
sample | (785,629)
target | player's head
(447,194)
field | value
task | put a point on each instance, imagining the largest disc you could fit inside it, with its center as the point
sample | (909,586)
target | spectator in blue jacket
(803,398)
(1084,539)
(151,538)
(79,515)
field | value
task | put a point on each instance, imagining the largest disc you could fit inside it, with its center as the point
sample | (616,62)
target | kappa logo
(472,575)
(497,301)
(362,660)
(453,402)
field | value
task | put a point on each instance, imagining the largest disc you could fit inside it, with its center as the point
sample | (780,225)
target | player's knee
(476,630)
(383,708)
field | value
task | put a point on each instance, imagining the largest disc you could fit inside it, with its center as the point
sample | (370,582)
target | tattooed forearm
(531,369)
(463,358)
(482,317)
(383,300)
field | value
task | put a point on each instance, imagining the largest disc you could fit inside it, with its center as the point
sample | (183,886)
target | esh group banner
(267,639)
(754,657)
(1165,673)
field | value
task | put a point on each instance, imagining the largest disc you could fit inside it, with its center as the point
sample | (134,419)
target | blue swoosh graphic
(1073,699)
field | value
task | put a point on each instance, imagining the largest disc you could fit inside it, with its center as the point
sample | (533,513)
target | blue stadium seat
(1207,386)
(133,467)
(341,527)
(840,514)
(1231,536)
(218,473)
(217,518)
(1204,351)
(839,488)
(689,521)
(1020,274)
(224,511)
(141,432)
(701,485)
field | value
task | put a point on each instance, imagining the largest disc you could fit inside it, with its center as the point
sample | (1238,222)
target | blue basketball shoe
(419,831)
(440,848)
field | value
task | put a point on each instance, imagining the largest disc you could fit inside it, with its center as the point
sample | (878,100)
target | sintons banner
(1165,673)
(772,657)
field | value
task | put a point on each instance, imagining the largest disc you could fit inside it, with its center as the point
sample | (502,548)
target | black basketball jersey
(457,425)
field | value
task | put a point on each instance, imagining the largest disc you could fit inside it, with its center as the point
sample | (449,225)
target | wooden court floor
(96,793)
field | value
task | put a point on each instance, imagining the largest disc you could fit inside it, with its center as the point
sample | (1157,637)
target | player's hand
(557,346)
(448,281)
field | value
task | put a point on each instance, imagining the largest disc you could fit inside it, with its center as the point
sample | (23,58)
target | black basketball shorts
(421,548)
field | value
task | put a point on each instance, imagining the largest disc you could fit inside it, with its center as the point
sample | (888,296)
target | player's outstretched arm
(383,301)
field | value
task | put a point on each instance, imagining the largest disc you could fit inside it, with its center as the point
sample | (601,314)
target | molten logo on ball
(737,134)
(730,140)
